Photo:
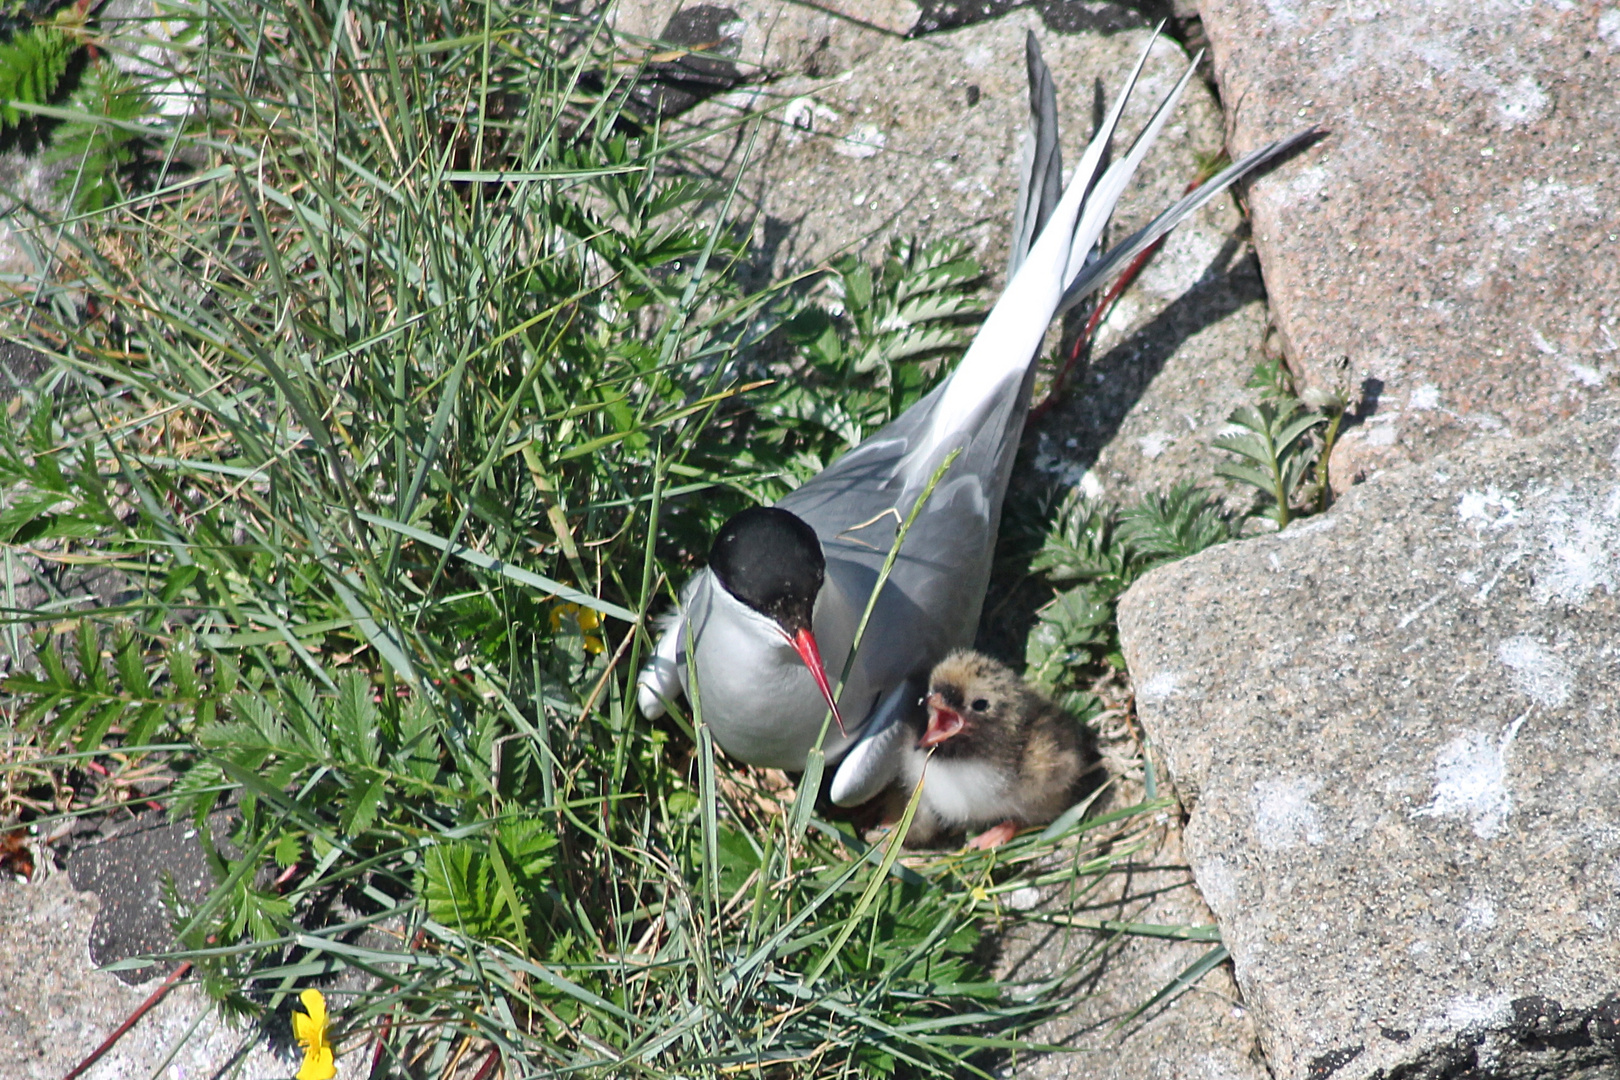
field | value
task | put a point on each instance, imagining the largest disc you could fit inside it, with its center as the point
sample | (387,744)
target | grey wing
(857,504)
(868,480)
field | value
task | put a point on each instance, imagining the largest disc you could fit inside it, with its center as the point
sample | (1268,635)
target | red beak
(805,643)
(943,722)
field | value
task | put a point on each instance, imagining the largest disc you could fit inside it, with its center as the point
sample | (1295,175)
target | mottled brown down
(1016,761)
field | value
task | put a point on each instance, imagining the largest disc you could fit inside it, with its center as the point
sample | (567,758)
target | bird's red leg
(994,836)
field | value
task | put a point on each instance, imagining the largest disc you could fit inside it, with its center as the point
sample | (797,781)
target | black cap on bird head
(772,561)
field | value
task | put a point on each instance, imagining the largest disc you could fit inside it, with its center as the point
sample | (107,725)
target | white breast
(757,695)
(964,793)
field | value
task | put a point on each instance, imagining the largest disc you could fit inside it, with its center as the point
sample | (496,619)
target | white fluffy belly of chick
(964,792)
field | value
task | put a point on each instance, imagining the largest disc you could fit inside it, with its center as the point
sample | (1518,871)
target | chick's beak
(804,642)
(943,722)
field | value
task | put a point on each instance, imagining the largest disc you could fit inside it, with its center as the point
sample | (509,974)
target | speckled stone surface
(1205,1033)
(130,870)
(922,136)
(55,1008)
(1168,369)
(24,177)
(1398,730)
(1457,235)
(768,39)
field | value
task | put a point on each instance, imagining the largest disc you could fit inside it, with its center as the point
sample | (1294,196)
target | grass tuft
(391,393)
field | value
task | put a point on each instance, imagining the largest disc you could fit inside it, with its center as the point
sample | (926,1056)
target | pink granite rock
(1457,235)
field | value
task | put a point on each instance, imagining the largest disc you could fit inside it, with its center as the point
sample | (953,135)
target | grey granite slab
(1398,730)
(55,1007)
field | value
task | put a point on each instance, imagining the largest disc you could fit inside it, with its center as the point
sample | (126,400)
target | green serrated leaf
(140,730)
(31,65)
(1289,434)
(130,664)
(288,849)
(356,721)
(1244,474)
(934,305)
(1174,524)
(95,731)
(182,665)
(361,805)
(26,515)
(1254,447)
(909,343)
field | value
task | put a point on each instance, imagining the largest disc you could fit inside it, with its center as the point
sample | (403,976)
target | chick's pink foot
(995,836)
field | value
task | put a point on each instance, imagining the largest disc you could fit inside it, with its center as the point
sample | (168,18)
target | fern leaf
(1082,545)
(935,305)
(919,341)
(1072,631)
(1289,434)
(98,153)
(1175,524)
(356,721)
(31,65)
(1244,474)
(361,805)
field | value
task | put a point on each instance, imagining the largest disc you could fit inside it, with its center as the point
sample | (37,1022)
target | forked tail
(1055,273)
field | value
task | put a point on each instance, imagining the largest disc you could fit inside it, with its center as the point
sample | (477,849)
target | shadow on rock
(1114,383)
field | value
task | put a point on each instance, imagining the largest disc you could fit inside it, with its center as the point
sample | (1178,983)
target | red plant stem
(1120,285)
(378,1043)
(102,771)
(388,1021)
(1098,313)
(489,1064)
(145,1007)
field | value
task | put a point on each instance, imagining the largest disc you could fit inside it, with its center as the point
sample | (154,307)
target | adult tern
(786,586)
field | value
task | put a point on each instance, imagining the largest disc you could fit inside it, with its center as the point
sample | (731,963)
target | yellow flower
(560,612)
(309,1028)
(584,618)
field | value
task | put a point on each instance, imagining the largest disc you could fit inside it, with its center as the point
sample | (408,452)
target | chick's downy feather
(1015,758)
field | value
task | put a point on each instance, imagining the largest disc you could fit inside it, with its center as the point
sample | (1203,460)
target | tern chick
(994,752)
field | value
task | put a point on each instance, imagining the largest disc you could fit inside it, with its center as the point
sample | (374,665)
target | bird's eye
(980,704)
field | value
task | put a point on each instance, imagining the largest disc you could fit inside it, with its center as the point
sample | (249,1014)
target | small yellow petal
(305,1030)
(593,644)
(588,619)
(314,1003)
(309,1029)
(979,894)
(318,1065)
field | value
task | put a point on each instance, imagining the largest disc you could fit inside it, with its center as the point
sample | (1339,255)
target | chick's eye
(980,704)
